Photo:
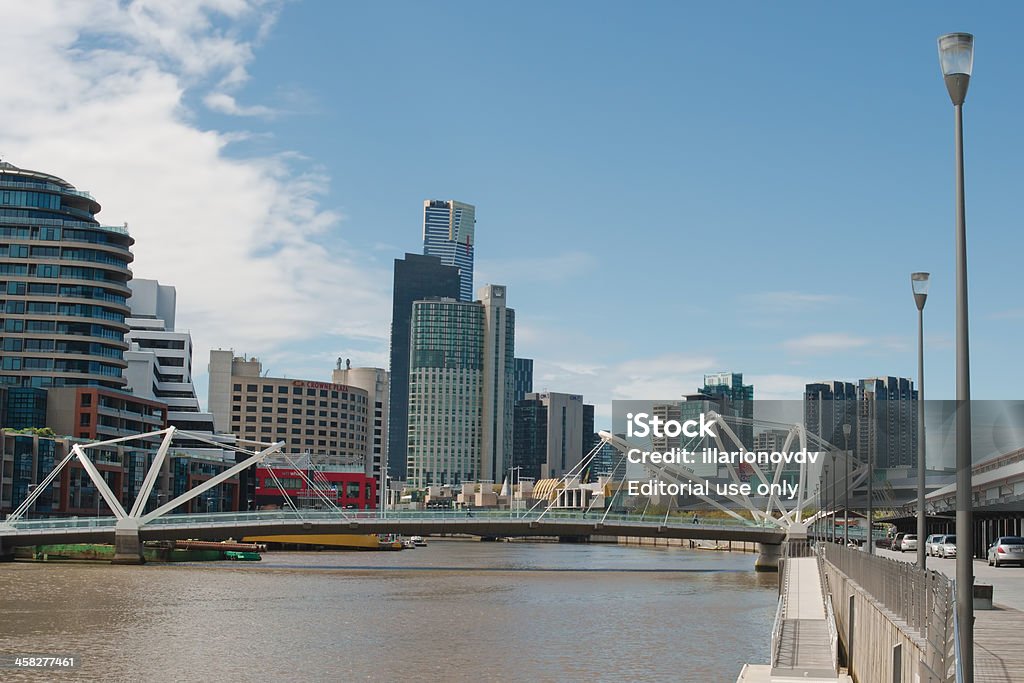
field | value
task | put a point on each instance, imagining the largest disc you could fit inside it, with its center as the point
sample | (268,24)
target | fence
(920,604)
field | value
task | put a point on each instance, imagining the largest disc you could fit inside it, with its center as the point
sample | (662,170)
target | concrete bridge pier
(6,554)
(127,544)
(768,555)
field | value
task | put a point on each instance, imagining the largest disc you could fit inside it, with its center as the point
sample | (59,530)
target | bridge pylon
(128,543)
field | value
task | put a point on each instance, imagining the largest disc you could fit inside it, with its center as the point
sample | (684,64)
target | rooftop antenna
(337,366)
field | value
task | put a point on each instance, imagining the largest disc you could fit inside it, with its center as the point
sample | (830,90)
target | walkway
(804,649)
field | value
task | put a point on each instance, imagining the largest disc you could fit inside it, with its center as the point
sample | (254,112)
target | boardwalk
(804,647)
(998,656)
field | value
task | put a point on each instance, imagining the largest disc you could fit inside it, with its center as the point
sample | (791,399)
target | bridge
(768,521)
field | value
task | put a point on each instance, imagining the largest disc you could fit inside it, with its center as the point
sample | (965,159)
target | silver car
(908,542)
(931,546)
(946,547)
(1006,549)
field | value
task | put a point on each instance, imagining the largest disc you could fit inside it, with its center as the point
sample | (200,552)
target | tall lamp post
(846,492)
(956,56)
(919,283)
(868,404)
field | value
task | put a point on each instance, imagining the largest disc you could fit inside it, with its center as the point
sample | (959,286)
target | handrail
(392,516)
(958,663)
(776,642)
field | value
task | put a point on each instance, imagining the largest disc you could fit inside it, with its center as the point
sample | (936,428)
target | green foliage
(37,431)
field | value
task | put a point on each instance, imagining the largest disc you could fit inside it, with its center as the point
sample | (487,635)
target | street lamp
(956,56)
(846,492)
(919,283)
(868,404)
(824,488)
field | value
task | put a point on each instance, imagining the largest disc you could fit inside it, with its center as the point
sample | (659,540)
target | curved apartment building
(63,285)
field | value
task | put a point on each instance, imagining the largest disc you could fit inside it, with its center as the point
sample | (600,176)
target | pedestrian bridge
(567,524)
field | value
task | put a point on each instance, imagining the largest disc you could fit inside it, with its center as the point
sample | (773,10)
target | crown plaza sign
(320,385)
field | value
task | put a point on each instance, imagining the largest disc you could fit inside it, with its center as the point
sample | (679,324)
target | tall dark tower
(416,277)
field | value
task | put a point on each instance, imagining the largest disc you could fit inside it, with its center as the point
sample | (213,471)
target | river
(455,610)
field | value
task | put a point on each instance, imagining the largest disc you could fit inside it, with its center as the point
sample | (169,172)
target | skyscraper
(736,399)
(523,381)
(887,422)
(449,233)
(552,433)
(827,407)
(460,389)
(416,277)
(65,282)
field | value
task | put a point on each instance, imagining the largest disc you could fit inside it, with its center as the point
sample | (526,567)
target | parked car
(893,543)
(946,547)
(931,545)
(908,542)
(1006,549)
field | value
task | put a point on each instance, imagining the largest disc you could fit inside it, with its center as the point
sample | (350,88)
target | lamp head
(919,283)
(956,57)
(846,430)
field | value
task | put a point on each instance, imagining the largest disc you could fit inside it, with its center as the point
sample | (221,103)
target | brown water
(456,610)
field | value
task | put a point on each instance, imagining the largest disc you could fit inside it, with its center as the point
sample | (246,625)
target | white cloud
(98,95)
(824,343)
(226,104)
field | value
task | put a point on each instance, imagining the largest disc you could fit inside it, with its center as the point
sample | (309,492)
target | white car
(931,545)
(947,546)
(909,542)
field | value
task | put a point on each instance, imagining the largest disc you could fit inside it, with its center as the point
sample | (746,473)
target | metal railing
(773,656)
(922,599)
(213,518)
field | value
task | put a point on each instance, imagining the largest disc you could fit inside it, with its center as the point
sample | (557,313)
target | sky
(667,188)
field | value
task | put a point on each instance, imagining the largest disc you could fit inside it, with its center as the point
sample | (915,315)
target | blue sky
(666,188)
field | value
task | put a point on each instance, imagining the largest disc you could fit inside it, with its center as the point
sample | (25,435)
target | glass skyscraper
(460,389)
(449,233)
(63,285)
(416,277)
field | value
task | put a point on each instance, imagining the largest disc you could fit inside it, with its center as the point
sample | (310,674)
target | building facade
(552,434)
(159,359)
(449,233)
(328,421)
(523,378)
(416,278)
(735,399)
(375,382)
(827,407)
(887,422)
(63,285)
(460,389)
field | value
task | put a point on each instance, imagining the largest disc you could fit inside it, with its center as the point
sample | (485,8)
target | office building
(827,407)
(522,378)
(460,389)
(887,422)
(159,358)
(416,278)
(735,399)
(552,433)
(449,229)
(328,421)
(64,283)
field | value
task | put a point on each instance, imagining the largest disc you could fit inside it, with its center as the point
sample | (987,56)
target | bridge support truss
(128,547)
